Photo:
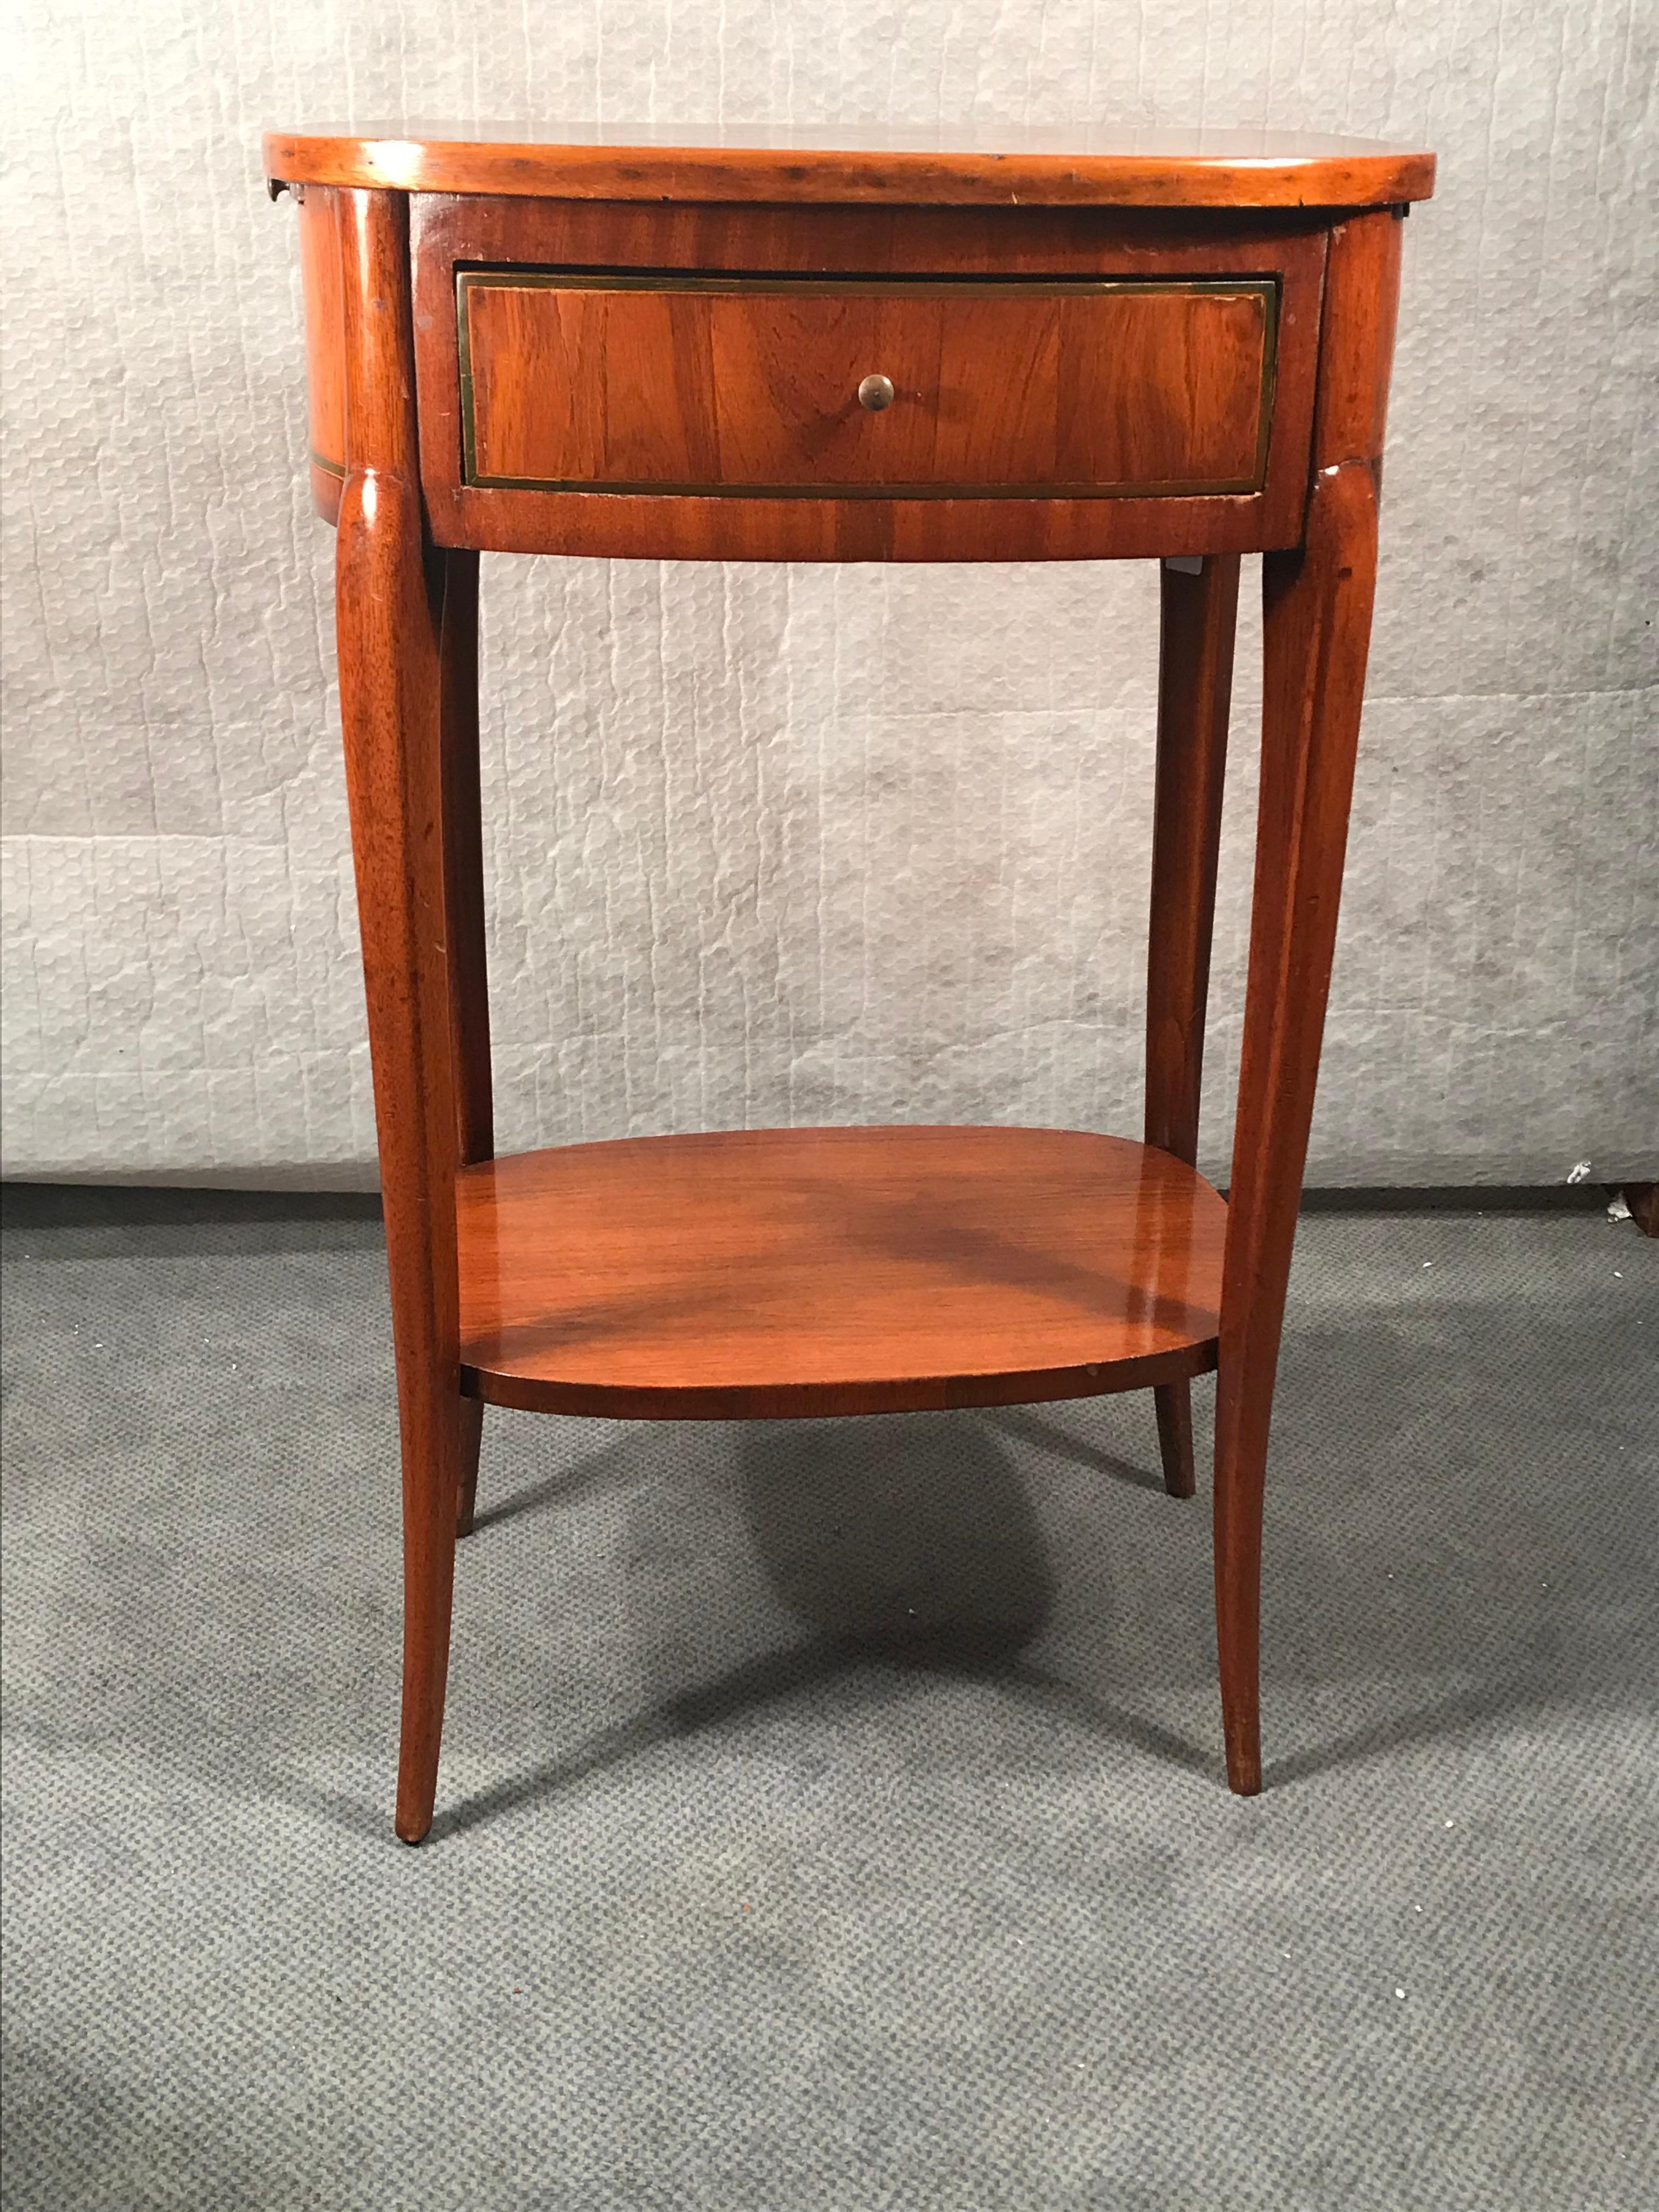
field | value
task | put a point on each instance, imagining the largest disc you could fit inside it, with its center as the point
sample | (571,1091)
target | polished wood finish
(1318,610)
(467,1483)
(463,916)
(322,281)
(1361,306)
(1199,615)
(847,1270)
(752,384)
(1172,1404)
(1194,694)
(780,1272)
(389,617)
(456,238)
(994,164)
(1317,605)
(466,959)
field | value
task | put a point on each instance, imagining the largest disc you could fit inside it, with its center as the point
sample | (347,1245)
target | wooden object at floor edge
(1199,616)
(390,599)
(1237,305)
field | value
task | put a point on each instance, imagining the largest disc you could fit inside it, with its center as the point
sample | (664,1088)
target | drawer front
(672,382)
(750,386)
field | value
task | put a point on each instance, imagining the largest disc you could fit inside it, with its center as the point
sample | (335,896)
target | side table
(1017,346)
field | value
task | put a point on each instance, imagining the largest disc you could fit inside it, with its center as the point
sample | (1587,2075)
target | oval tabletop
(775,1271)
(982,165)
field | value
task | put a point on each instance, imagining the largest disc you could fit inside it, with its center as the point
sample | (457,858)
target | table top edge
(1085,167)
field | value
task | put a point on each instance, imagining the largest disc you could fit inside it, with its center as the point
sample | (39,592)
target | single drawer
(780,386)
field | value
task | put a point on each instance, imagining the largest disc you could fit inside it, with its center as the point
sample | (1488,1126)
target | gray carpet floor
(831,1814)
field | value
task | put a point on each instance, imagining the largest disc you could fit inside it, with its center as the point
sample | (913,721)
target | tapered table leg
(469,1445)
(1317,604)
(462,833)
(464,919)
(389,604)
(1194,691)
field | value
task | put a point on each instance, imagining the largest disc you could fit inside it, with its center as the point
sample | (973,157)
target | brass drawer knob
(876,393)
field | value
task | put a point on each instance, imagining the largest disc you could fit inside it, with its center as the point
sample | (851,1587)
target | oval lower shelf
(763,1272)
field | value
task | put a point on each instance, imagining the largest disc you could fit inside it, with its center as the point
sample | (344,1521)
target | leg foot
(471,1437)
(1238,1623)
(1173,1401)
(429,1495)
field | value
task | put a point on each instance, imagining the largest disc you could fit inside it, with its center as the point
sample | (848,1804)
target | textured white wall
(816,843)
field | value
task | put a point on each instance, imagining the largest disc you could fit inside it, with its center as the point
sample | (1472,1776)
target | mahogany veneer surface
(1068,165)
(846,1270)
(752,383)
(680,381)
(324,314)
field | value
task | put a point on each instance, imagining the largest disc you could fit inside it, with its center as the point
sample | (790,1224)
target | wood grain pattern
(773,1272)
(847,1270)
(466,957)
(321,282)
(465,961)
(984,164)
(1317,612)
(388,619)
(1317,609)
(929,244)
(751,384)
(1199,618)
(639,526)
(1361,307)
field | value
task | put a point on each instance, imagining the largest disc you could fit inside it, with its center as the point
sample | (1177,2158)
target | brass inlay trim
(562,280)
(332,468)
